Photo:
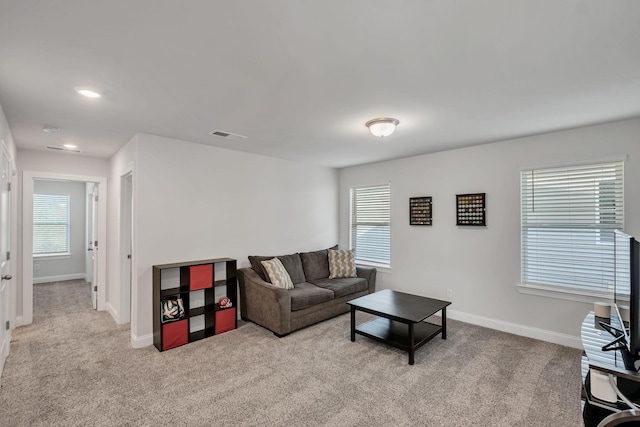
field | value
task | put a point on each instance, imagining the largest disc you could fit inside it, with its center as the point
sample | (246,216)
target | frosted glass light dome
(382,127)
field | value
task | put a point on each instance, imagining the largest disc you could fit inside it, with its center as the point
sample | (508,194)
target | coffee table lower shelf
(396,333)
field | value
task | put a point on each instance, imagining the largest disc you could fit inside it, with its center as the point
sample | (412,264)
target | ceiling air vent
(228,135)
(71,150)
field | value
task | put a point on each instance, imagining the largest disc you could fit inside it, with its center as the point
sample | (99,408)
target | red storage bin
(225,320)
(200,277)
(175,334)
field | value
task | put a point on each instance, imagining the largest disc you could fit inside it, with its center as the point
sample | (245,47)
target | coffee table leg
(353,323)
(411,343)
(444,323)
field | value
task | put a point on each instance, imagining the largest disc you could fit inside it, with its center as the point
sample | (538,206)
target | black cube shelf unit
(200,285)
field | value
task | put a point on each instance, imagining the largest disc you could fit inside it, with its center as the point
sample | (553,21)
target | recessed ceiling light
(50,129)
(89,93)
(70,146)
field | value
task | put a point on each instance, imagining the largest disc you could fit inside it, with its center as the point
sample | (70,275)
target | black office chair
(628,418)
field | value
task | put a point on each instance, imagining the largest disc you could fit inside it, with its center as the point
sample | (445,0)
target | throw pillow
(341,264)
(278,275)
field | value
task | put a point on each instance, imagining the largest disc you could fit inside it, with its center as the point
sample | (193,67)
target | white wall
(481,265)
(48,269)
(48,162)
(193,201)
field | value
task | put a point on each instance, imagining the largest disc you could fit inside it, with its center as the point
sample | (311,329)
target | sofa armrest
(263,303)
(368,273)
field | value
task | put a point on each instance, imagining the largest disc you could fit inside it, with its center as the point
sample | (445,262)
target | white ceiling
(300,78)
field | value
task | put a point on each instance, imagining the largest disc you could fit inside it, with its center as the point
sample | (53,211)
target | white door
(94,247)
(5,265)
(89,255)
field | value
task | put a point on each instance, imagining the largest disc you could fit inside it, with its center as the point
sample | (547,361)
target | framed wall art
(420,211)
(471,209)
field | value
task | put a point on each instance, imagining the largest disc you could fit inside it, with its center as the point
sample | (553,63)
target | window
(568,218)
(371,224)
(51,224)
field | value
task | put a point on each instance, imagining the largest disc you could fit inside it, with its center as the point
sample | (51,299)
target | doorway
(126,244)
(59,218)
(99,215)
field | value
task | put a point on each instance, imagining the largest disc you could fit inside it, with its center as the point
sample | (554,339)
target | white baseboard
(514,328)
(112,311)
(19,322)
(136,342)
(143,341)
(61,278)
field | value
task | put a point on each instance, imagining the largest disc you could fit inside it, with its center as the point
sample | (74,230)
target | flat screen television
(627,285)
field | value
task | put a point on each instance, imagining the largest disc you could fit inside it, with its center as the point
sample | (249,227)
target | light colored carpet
(74,366)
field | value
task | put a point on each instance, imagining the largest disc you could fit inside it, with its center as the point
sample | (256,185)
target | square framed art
(420,211)
(471,209)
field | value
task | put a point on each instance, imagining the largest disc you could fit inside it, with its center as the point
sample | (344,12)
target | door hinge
(8,186)
(96,198)
(95,244)
(8,325)
(8,255)
(95,288)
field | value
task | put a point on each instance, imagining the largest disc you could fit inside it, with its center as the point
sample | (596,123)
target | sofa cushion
(304,295)
(341,264)
(342,287)
(277,273)
(315,264)
(291,263)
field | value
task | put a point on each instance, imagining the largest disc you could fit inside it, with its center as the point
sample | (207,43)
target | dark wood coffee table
(400,320)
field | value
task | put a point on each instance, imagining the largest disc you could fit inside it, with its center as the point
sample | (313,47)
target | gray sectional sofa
(314,297)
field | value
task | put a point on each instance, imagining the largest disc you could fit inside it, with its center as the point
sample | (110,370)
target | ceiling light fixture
(382,127)
(50,129)
(89,93)
(70,146)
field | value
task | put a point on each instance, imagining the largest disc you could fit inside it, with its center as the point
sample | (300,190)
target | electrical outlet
(36,266)
(450,293)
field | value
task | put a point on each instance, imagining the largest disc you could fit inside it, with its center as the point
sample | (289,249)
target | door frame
(28,178)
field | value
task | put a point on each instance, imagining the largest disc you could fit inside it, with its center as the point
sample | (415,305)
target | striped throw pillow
(277,274)
(341,264)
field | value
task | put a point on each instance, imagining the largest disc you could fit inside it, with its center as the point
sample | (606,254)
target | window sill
(577,295)
(52,256)
(384,268)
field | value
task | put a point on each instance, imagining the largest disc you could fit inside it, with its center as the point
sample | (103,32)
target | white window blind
(50,224)
(568,218)
(371,224)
